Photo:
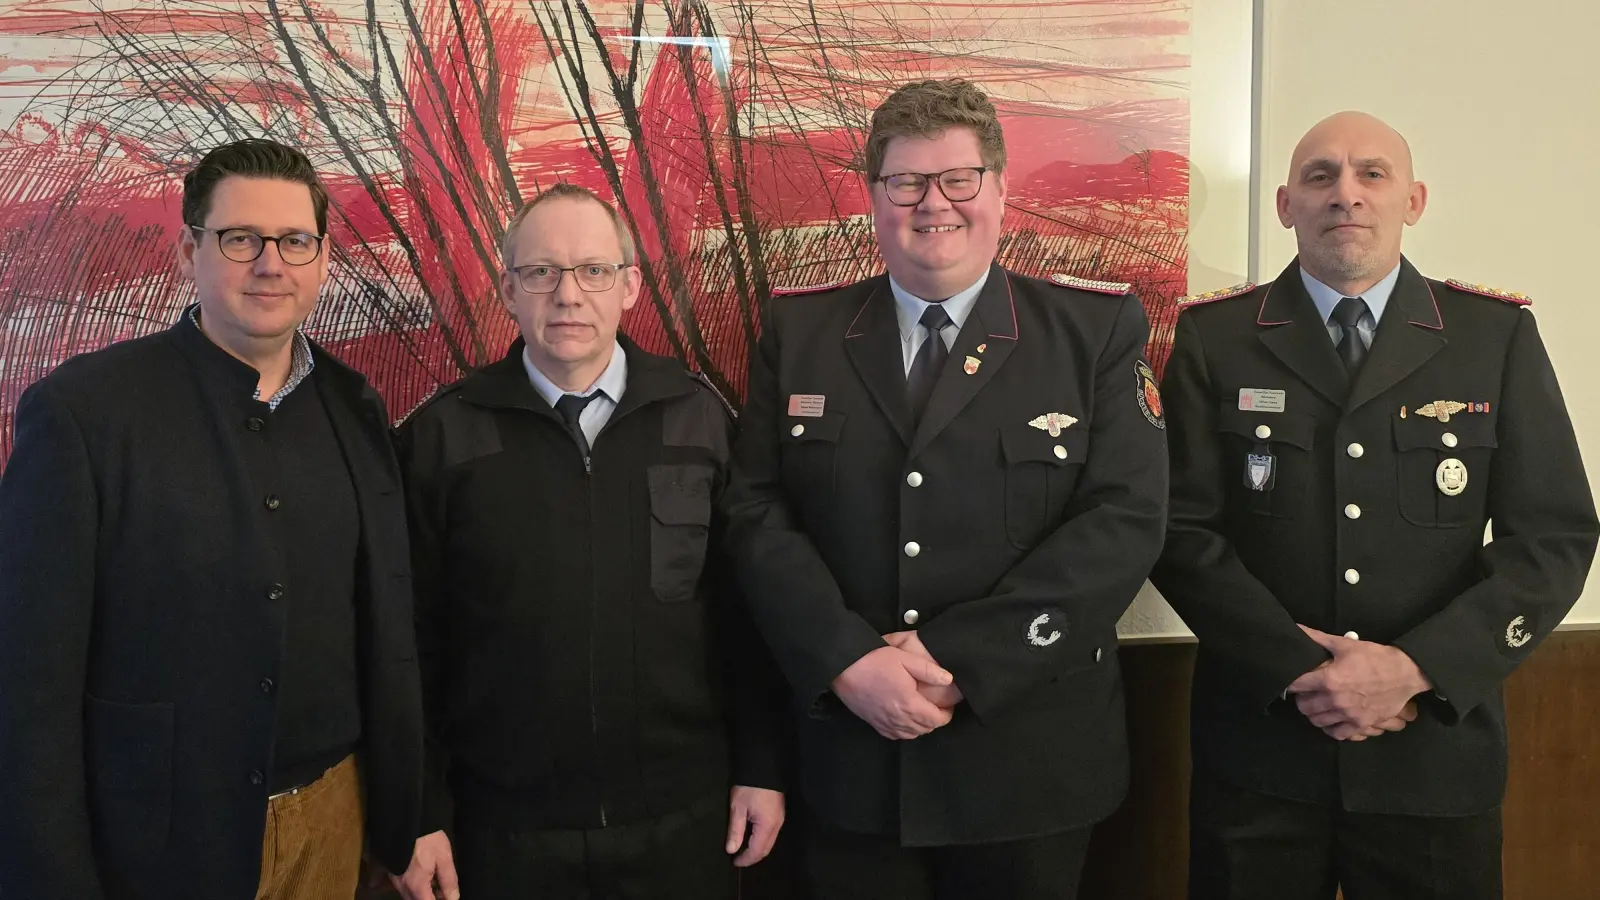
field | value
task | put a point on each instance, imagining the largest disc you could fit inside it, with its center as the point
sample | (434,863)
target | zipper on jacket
(594,712)
(594,610)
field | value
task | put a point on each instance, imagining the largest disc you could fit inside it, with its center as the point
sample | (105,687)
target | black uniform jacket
(1011,528)
(1364,525)
(142,624)
(585,660)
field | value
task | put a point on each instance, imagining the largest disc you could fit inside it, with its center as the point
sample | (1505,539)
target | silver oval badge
(1451,477)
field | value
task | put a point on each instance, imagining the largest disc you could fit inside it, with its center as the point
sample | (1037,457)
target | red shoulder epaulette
(1089,284)
(1237,290)
(796,290)
(1496,293)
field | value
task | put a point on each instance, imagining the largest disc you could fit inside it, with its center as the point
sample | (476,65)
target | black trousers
(678,856)
(848,866)
(1249,846)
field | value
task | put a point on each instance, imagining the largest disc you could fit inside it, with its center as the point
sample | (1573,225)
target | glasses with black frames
(243,245)
(957,185)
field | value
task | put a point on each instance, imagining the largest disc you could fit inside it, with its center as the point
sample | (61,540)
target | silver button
(1097,654)
(1352,511)
(1448,439)
(1355,451)
(1351,576)
(1352,635)
(1061,452)
(1263,432)
(913,548)
(914,479)
(911,616)
(797,431)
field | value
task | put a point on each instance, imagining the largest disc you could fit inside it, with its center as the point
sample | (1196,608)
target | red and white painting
(729,132)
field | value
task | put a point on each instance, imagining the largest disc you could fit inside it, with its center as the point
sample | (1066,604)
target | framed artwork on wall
(728,132)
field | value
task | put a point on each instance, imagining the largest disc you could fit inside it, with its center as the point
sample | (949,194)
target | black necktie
(1351,349)
(929,360)
(571,407)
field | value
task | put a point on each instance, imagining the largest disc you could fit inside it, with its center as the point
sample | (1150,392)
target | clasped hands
(1365,690)
(899,689)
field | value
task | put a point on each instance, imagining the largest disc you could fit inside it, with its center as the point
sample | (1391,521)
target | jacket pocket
(680,524)
(128,752)
(809,448)
(1288,439)
(1041,472)
(1442,469)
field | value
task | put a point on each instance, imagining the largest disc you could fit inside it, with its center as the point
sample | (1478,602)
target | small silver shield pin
(1259,468)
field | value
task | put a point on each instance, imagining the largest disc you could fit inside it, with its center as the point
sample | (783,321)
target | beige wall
(1500,100)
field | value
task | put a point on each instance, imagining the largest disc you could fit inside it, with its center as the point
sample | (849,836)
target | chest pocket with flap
(1290,438)
(1041,472)
(1422,445)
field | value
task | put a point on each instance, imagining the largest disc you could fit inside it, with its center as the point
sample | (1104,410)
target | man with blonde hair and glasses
(950,483)
(601,714)
(208,681)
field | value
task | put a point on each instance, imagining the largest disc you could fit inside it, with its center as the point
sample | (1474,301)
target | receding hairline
(625,244)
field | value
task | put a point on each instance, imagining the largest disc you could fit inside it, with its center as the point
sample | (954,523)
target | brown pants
(312,846)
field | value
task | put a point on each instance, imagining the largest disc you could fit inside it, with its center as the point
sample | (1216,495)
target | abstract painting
(729,133)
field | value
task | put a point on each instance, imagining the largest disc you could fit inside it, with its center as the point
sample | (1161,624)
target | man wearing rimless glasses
(208,679)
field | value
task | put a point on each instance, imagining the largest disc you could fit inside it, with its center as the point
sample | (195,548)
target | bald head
(1349,195)
(1353,128)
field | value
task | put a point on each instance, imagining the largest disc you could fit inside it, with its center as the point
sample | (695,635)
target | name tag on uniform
(807,405)
(1261,400)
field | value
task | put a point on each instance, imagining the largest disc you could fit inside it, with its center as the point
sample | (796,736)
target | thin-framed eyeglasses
(957,185)
(243,245)
(544,279)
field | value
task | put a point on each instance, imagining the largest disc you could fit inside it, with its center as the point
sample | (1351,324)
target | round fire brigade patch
(1148,394)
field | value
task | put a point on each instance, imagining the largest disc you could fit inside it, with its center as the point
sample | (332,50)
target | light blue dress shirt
(908,309)
(610,385)
(1326,298)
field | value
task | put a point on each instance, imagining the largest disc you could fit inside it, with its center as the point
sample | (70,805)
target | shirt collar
(1326,298)
(909,308)
(612,382)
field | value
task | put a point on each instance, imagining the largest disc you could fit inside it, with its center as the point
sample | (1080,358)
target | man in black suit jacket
(1340,438)
(206,637)
(938,534)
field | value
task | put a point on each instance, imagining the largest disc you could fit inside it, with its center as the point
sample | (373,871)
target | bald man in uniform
(1339,438)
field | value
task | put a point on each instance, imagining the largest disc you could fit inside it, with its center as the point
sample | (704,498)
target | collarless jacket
(141,628)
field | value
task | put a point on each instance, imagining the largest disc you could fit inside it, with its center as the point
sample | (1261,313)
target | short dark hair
(250,158)
(566,190)
(926,109)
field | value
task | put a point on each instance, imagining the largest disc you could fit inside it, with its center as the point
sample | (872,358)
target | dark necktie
(571,407)
(929,361)
(1351,349)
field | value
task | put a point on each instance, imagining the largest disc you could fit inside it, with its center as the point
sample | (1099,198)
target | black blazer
(1355,533)
(1030,545)
(136,626)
